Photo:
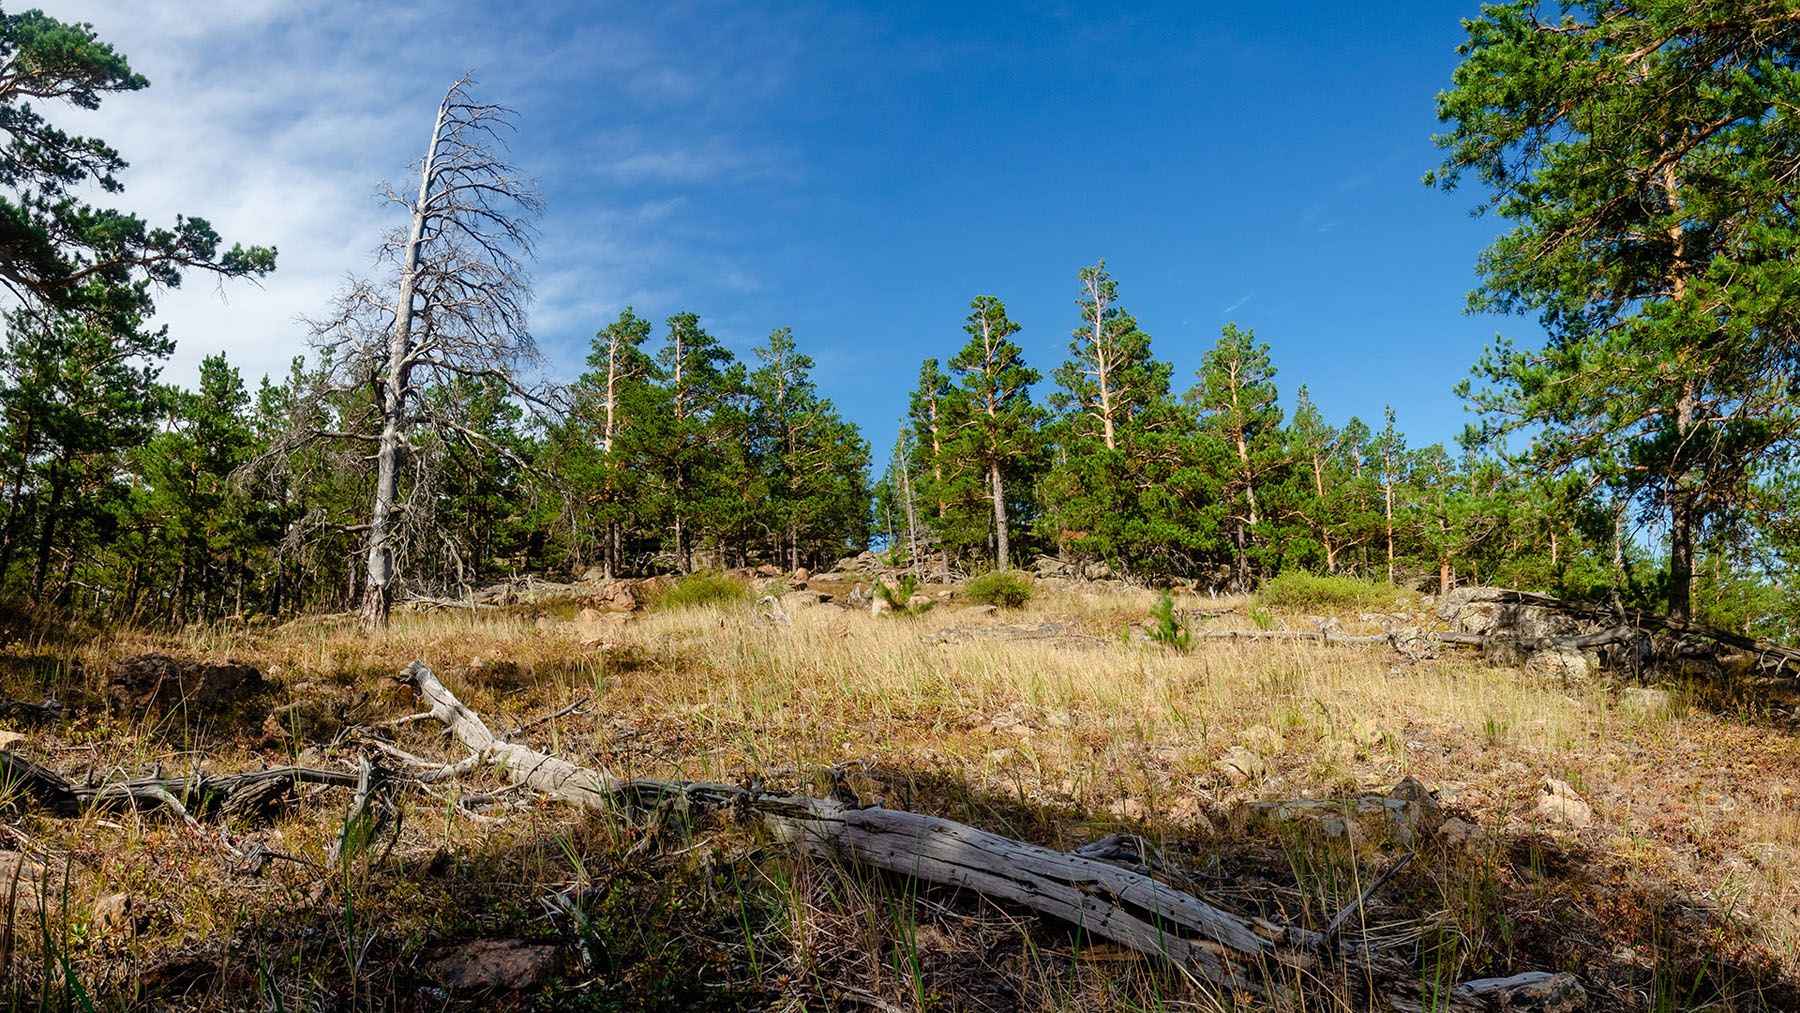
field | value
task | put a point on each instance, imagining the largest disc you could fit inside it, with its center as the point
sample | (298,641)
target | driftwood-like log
(1539,991)
(197,796)
(1105,900)
(1403,640)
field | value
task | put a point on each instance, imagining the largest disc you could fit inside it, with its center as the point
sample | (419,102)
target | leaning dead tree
(404,352)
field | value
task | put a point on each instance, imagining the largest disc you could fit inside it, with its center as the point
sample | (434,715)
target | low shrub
(697,590)
(1297,589)
(1008,589)
(1166,628)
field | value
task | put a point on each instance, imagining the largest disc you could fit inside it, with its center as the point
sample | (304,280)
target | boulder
(802,575)
(614,596)
(156,681)
(1563,664)
(1240,765)
(1047,566)
(1648,700)
(796,600)
(31,879)
(1476,610)
(593,575)
(493,965)
(1559,805)
(865,565)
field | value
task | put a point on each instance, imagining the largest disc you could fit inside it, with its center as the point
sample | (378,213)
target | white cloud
(276,120)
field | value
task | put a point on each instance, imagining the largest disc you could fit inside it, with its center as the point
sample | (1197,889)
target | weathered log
(1105,900)
(1539,991)
(1632,620)
(1110,902)
(199,795)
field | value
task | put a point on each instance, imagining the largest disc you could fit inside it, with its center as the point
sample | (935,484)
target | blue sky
(856,172)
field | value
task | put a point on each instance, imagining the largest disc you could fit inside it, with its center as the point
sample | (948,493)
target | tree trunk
(1389,489)
(912,519)
(9,540)
(1001,552)
(1240,552)
(378,592)
(1682,517)
(1100,370)
(48,534)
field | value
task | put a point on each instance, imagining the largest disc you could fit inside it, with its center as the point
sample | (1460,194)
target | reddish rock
(493,965)
(157,681)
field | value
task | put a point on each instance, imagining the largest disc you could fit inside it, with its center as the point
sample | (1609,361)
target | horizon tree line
(1642,153)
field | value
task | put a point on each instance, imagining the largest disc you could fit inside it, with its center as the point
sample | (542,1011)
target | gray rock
(1240,765)
(1564,664)
(1559,805)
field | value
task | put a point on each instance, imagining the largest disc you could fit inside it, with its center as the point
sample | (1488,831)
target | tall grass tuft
(699,590)
(1295,589)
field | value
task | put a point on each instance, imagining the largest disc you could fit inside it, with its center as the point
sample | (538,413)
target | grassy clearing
(1683,883)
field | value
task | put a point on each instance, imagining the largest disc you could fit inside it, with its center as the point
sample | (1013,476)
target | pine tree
(813,462)
(77,396)
(1318,451)
(701,379)
(1237,399)
(599,448)
(1117,438)
(208,529)
(1389,455)
(1644,152)
(994,423)
(1110,379)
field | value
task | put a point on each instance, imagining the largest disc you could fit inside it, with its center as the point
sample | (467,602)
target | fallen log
(1207,941)
(1113,903)
(1632,620)
(196,796)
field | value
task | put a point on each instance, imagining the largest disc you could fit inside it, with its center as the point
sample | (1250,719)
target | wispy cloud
(1234,307)
(276,120)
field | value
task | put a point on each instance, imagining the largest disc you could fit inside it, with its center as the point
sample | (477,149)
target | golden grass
(1056,740)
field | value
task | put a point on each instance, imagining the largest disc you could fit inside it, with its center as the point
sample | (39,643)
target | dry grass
(1683,888)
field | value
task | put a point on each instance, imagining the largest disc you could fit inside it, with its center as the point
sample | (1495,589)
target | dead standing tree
(453,309)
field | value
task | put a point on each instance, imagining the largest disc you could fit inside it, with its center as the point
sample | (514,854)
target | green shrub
(701,589)
(900,596)
(1297,589)
(1008,589)
(1165,627)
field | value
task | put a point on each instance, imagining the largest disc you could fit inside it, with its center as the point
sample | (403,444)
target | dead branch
(197,796)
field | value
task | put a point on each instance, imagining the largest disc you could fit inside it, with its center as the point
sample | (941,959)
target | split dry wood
(1102,899)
